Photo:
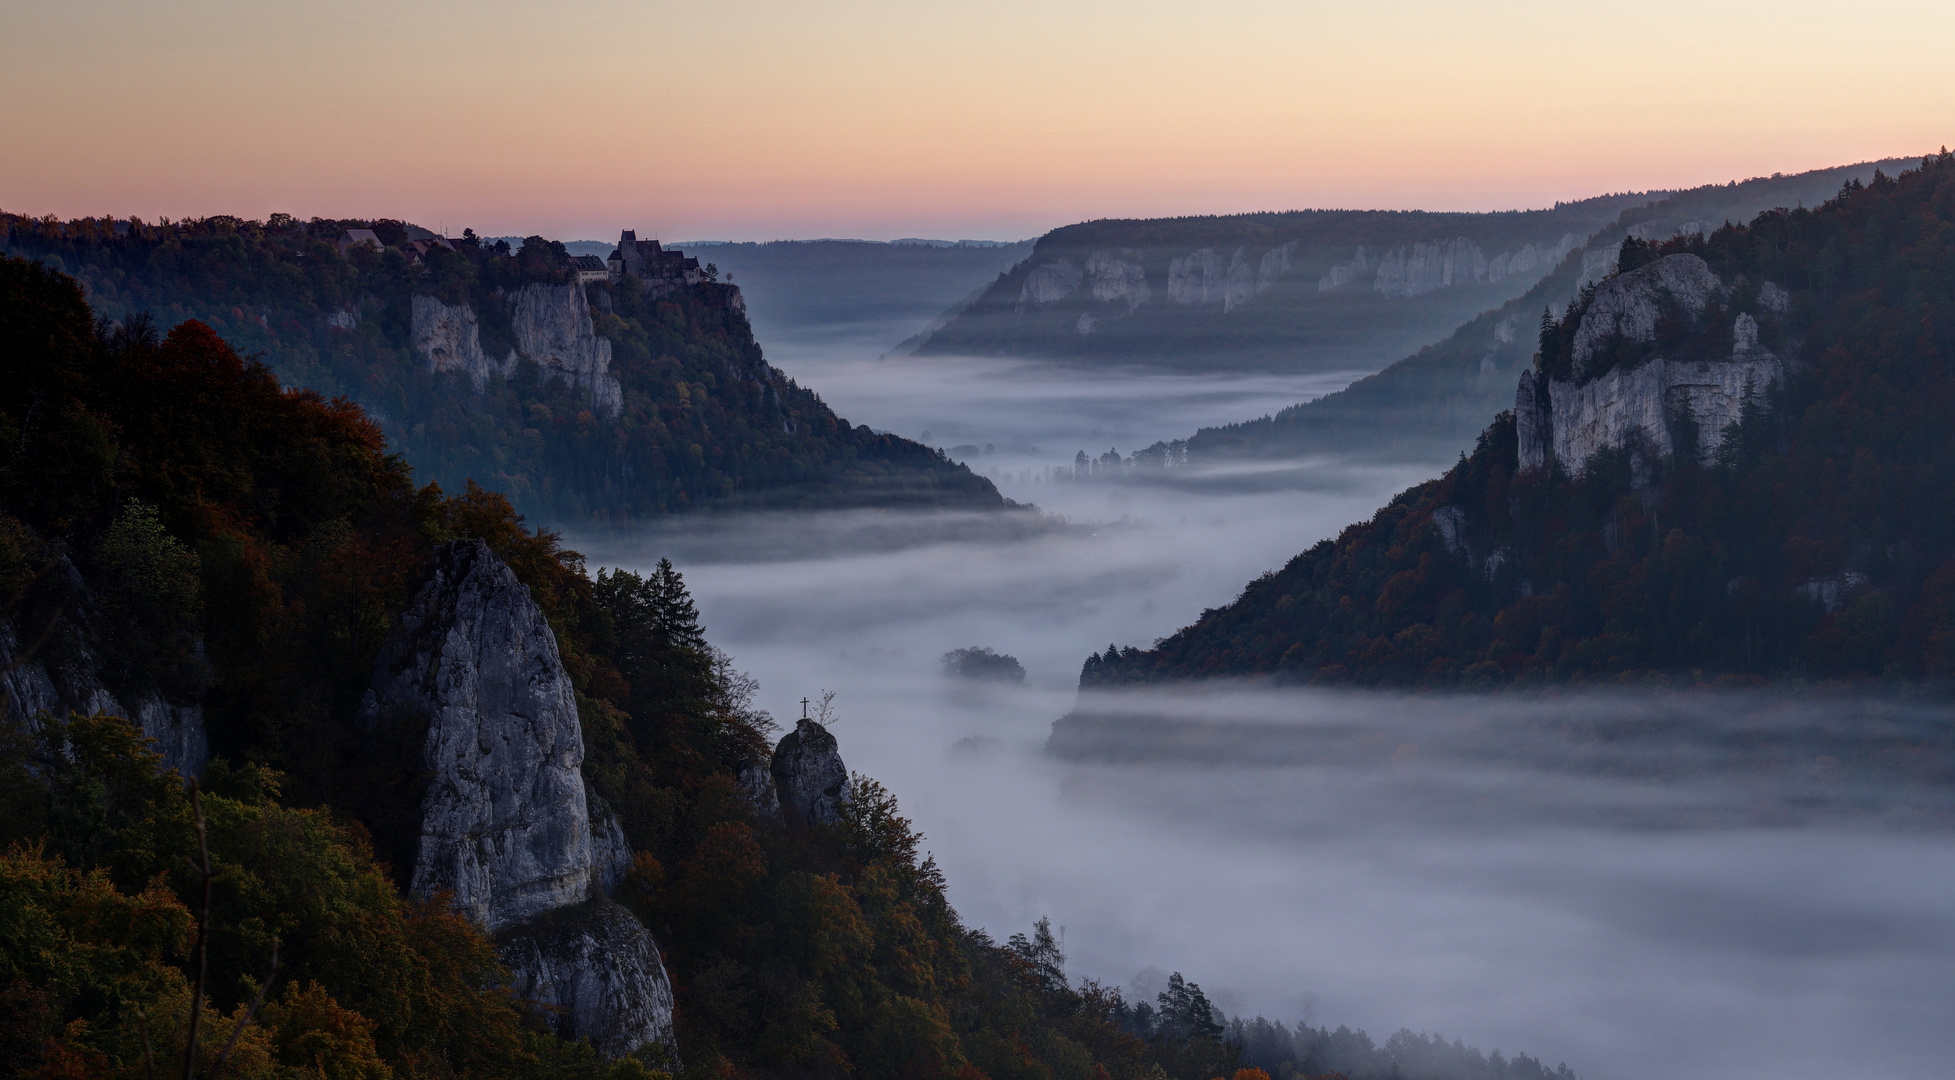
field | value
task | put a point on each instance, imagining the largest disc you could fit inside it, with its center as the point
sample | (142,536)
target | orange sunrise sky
(760,119)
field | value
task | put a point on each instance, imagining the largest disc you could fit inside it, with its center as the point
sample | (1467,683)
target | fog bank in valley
(1684,886)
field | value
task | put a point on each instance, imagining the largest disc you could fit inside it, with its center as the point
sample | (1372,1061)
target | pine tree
(673,612)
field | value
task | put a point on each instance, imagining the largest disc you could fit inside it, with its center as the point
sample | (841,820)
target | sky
(770,119)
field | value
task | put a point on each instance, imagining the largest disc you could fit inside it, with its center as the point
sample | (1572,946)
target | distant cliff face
(1291,291)
(506,821)
(553,327)
(1659,405)
(451,338)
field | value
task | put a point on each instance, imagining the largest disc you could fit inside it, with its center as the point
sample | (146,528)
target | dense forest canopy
(170,510)
(1818,545)
(704,419)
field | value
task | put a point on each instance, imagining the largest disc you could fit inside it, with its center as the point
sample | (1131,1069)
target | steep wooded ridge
(587,403)
(1731,462)
(463,810)
(1436,401)
(1310,290)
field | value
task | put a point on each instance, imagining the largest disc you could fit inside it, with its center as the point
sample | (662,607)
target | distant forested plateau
(588,399)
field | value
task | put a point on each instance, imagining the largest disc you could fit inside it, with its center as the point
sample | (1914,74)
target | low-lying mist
(1677,886)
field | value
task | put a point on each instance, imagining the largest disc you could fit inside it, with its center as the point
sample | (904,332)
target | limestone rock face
(597,972)
(66,678)
(1628,305)
(505,821)
(809,774)
(449,336)
(1344,273)
(507,824)
(1118,276)
(1658,406)
(756,782)
(553,327)
(1051,282)
(1427,267)
(1205,277)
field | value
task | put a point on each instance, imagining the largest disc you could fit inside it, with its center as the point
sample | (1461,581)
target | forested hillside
(1436,401)
(701,418)
(173,520)
(1818,542)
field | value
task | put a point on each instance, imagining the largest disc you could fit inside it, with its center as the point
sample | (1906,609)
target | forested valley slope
(587,400)
(1728,463)
(461,808)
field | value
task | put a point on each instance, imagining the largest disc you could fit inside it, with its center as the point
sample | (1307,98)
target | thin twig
(256,1000)
(203,933)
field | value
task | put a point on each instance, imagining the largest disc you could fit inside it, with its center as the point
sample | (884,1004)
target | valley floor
(1658,922)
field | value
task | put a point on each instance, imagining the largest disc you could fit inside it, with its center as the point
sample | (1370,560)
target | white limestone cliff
(508,828)
(1344,273)
(1118,276)
(1426,267)
(1658,406)
(1050,282)
(450,337)
(553,327)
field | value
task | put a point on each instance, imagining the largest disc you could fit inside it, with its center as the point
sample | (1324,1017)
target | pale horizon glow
(998,120)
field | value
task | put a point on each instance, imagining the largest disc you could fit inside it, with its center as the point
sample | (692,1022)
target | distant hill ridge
(586,400)
(1297,291)
(1729,464)
(1437,400)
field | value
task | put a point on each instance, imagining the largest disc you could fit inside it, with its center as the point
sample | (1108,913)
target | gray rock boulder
(596,971)
(505,820)
(507,823)
(809,775)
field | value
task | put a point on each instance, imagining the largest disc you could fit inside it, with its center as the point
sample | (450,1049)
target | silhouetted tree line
(1820,544)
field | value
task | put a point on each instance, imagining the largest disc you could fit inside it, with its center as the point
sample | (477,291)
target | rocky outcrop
(505,821)
(1530,260)
(809,775)
(1627,306)
(1427,267)
(1117,276)
(598,970)
(1344,273)
(553,327)
(70,683)
(507,824)
(1657,406)
(755,780)
(1050,282)
(1205,277)
(451,338)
